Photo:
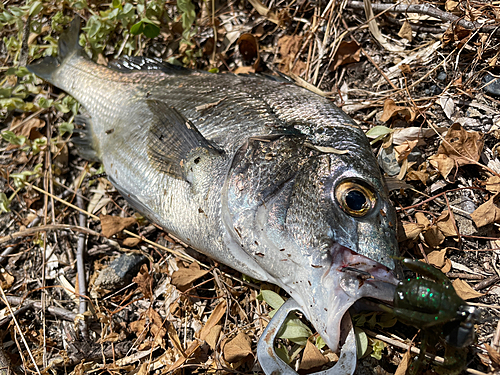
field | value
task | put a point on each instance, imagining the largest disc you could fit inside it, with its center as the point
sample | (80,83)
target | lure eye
(355,198)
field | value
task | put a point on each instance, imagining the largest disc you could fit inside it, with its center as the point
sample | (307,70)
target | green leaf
(21,178)
(320,343)
(117,4)
(214,70)
(38,144)
(361,342)
(283,354)
(4,203)
(378,347)
(137,28)
(13,139)
(35,8)
(151,30)
(294,330)
(273,299)
(66,127)
(378,131)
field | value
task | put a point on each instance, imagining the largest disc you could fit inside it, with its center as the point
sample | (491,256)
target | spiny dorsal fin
(127,64)
(173,141)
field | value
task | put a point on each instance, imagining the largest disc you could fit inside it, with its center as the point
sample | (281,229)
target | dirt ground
(419,78)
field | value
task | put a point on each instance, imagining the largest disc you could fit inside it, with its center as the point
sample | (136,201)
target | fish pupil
(355,200)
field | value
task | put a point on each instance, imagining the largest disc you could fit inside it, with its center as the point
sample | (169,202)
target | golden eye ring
(355,198)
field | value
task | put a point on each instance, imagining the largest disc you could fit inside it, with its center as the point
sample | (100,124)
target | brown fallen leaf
(488,212)
(238,348)
(131,241)
(214,318)
(442,163)
(289,46)
(312,357)
(403,150)
(437,258)
(464,147)
(419,175)
(144,281)
(465,291)
(113,224)
(347,53)
(391,109)
(185,276)
(433,236)
(213,336)
(446,224)
(492,184)
(493,354)
(27,128)
(248,47)
(411,231)
(404,364)
(405,31)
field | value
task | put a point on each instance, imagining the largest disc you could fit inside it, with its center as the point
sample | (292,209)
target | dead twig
(428,10)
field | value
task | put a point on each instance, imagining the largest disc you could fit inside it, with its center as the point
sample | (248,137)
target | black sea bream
(260,174)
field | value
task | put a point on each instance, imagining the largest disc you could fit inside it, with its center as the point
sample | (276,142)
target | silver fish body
(259,174)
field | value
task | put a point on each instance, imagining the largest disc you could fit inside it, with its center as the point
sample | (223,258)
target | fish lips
(328,294)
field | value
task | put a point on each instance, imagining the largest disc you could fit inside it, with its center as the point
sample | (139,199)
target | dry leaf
(488,212)
(403,150)
(144,281)
(450,5)
(131,241)
(413,133)
(248,47)
(446,224)
(464,290)
(420,175)
(244,70)
(214,318)
(492,184)
(464,147)
(433,236)
(185,276)
(6,280)
(312,357)
(447,266)
(113,224)
(405,31)
(493,354)
(213,336)
(174,339)
(289,46)
(442,163)
(27,128)
(404,364)
(391,110)
(446,102)
(422,219)
(437,258)
(347,53)
(412,230)
(265,11)
(238,348)
(375,31)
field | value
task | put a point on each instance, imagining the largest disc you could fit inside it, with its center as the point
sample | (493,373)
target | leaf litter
(420,81)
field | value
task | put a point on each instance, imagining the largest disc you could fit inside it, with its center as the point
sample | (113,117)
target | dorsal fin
(132,63)
(173,141)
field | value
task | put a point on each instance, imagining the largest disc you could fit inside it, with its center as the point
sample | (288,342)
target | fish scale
(260,174)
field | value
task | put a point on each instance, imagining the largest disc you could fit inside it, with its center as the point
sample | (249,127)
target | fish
(256,172)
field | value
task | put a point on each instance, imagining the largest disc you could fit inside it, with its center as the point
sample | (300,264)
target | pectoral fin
(174,142)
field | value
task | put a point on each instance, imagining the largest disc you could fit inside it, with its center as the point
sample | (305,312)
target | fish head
(318,221)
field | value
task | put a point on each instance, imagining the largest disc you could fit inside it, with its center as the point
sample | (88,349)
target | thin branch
(428,10)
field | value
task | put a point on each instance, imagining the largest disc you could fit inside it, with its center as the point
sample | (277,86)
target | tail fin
(68,47)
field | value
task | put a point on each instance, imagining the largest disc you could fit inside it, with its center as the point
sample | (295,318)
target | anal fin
(174,142)
(83,139)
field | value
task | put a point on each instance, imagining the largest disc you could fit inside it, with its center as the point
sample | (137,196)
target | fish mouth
(350,277)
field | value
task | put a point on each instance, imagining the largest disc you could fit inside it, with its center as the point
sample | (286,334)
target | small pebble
(494,87)
(441,76)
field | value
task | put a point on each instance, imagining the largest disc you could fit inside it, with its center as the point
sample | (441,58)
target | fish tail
(68,48)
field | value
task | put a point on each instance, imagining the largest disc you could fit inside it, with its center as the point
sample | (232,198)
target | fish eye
(355,197)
